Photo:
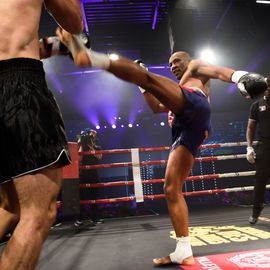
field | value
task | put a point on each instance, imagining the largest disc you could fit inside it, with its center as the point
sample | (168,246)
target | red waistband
(188,89)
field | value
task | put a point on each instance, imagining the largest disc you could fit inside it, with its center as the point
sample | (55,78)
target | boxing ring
(137,182)
(221,236)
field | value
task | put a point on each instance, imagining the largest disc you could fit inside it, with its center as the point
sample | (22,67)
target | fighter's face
(178,65)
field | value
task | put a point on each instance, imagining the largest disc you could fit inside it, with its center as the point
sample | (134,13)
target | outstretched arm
(250,85)
(67,13)
(154,103)
(201,68)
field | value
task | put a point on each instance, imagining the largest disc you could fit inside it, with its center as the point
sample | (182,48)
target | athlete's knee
(39,218)
(171,193)
(35,225)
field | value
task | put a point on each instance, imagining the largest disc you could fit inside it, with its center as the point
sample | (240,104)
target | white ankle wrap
(182,251)
(99,60)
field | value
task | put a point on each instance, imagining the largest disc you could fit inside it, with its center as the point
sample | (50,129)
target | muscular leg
(178,167)
(36,195)
(9,210)
(165,90)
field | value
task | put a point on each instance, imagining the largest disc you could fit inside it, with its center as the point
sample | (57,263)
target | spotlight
(130,125)
(207,55)
(162,124)
(97,127)
(114,56)
(262,2)
(122,126)
(114,126)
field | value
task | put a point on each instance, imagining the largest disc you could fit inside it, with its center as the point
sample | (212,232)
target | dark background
(237,31)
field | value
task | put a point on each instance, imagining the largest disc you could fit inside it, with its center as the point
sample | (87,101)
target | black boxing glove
(251,85)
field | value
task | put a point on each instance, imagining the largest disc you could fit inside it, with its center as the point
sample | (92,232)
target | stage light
(207,55)
(114,126)
(162,124)
(262,2)
(130,125)
(114,56)
(122,126)
(97,127)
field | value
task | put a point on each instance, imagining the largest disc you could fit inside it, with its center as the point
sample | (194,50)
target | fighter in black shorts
(188,102)
(32,138)
(32,130)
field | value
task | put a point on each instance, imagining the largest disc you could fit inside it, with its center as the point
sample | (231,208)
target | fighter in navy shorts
(32,134)
(192,126)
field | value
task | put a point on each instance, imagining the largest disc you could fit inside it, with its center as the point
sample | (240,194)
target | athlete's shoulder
(196,63)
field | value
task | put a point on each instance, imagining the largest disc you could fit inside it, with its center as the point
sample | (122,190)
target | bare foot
(167,260)
(162,261)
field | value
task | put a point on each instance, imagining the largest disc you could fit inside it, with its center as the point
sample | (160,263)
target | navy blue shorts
(32,134)
(192,126)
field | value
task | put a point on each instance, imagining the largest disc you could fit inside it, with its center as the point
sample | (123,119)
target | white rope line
(248,188)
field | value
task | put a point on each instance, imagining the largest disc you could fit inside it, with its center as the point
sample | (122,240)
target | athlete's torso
(198,83)
(19,28)
(190,78)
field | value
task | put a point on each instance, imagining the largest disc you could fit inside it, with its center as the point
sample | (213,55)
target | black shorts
(32,134)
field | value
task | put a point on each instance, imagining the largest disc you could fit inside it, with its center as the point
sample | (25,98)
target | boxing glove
(251,85)
(250,155)
(51,46)
(140,63)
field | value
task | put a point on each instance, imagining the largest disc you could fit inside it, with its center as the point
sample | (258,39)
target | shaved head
(180,54)
(178,63)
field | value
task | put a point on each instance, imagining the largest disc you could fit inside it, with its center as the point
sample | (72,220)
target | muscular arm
(201,68)
(67,13)
(154,103)
(251,129)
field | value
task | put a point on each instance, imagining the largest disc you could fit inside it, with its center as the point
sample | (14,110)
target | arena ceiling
(173,24)
(238,30)
(151,29)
